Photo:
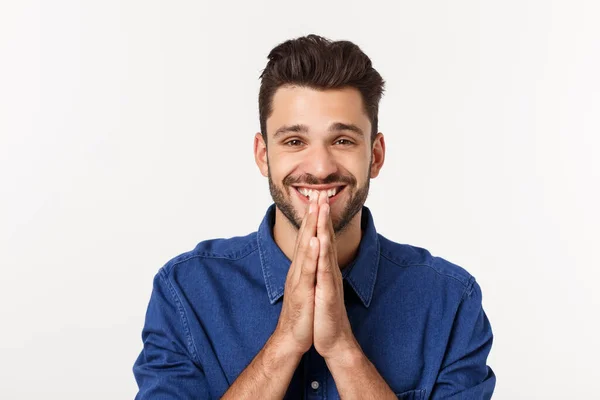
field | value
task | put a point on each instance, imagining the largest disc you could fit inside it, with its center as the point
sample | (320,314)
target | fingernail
(311,208)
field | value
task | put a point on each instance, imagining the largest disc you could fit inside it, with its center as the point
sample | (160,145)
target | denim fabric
(418,318)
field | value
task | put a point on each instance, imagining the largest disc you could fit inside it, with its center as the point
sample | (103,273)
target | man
(315,304)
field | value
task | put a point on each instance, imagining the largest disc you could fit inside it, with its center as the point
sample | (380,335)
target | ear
(260,154)
(377,155)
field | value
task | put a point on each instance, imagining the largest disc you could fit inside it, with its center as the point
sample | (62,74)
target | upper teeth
(307,192)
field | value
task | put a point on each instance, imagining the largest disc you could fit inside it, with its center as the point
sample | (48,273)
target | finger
(303,225)
(323,198)
(299,235)
(325,225)
(329,228)
(322,229)
(325,260)
(328,271)
(309,231)
(322,222)
(309,265)
(333,245)
(293,265)
(311,222)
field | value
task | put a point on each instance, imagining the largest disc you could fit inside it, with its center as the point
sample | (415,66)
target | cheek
(282,167)
(275,167)
(358,168)
(355,159)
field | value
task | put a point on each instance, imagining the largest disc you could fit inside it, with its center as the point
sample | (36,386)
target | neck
(347,242)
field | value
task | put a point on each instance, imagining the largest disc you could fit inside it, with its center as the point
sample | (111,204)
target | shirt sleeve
(464,373)
(165,368)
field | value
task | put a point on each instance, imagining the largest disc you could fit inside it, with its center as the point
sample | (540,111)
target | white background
(126,132)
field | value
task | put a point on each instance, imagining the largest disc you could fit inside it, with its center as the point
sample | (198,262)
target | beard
(283,201)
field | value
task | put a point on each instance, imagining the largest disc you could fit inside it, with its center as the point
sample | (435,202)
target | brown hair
(316,62)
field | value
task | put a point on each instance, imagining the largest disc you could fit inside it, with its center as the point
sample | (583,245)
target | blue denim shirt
(418,318)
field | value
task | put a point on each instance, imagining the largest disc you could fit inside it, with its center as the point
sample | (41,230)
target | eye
(293,143)
(344,142)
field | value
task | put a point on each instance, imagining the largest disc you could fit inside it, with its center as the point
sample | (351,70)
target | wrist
(279,352)
(351,357)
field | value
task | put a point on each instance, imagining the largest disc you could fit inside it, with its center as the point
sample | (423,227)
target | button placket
(316,376)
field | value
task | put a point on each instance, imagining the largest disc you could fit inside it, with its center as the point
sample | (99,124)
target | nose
(320,162)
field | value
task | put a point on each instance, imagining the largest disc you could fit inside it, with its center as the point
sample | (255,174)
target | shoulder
(234,248)
(405,256)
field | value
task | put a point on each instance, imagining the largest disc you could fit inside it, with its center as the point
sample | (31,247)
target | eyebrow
(335,127)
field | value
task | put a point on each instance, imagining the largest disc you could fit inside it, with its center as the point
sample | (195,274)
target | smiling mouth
(306,192)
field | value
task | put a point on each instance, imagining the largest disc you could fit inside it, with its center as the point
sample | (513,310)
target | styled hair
(319,63)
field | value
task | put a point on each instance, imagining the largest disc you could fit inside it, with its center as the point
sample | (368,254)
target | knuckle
(304,247)
(306,272)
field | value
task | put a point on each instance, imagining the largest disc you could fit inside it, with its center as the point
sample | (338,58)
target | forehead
(317,108)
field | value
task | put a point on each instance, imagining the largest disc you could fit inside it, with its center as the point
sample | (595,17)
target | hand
(333,335)
(295,325)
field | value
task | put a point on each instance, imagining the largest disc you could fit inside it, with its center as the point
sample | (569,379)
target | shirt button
(314,385)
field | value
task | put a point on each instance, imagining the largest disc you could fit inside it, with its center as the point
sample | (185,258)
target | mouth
(304,192)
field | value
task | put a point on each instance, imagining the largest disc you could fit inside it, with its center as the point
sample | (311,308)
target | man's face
(319,140)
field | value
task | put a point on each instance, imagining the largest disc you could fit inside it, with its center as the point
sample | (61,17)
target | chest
(405,342)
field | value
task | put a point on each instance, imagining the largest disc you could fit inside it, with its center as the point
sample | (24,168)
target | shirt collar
(360,274)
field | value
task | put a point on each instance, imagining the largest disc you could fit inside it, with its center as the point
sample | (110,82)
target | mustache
(313,180)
